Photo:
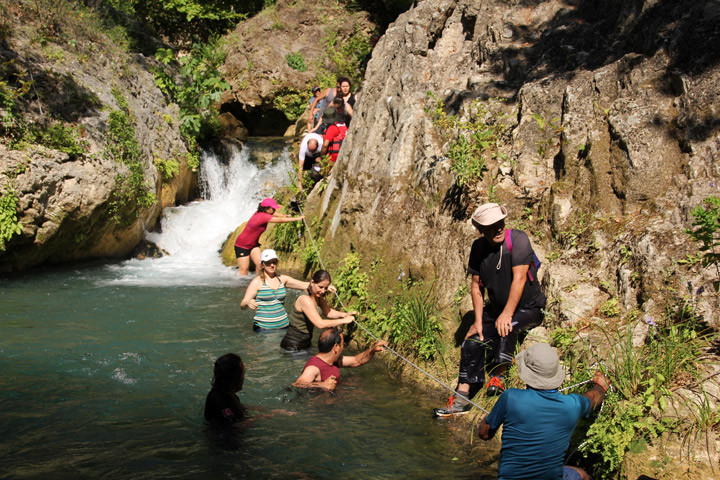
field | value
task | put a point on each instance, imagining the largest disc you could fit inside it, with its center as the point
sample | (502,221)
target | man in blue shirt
(539,421)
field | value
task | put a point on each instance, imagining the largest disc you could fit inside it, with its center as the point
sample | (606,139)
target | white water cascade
(193,234)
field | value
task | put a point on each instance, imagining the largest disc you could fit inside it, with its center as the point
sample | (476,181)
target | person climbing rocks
(323,369)
(306,314)
(503,263)
(247,246)
(342,90)
(310,153)
(334,136)
(539,420)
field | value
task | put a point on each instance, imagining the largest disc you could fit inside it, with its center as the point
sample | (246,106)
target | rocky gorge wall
(78,76)
(611,140)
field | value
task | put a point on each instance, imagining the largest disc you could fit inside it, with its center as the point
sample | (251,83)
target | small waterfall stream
(194,233)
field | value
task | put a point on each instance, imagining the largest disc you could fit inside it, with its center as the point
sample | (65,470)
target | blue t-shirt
(537,428)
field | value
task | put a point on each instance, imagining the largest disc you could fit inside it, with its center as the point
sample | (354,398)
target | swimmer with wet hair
(323,370)
(222,405)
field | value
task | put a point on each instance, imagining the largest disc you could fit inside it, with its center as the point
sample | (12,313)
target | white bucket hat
(539,367)
(488,214)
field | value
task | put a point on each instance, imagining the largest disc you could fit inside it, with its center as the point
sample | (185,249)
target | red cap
(269,202)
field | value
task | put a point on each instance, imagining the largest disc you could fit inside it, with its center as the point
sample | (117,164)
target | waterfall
(193,234)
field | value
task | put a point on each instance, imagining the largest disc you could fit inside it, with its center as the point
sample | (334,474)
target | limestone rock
(614,139)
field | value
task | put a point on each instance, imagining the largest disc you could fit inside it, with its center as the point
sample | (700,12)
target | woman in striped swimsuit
(266,294)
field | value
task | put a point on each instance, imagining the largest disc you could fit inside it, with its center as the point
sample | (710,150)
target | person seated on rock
(503,263)
(334,136)
(539,420)
(310,152)
(222,405)
(323,369)
(306,314)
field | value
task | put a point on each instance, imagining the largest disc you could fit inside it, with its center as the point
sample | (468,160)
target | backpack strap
(508,244)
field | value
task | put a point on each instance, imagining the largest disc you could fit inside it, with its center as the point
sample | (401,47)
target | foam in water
(194,233)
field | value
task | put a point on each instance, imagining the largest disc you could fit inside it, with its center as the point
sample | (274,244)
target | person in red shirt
(247,246)
(323,369)
(334,136)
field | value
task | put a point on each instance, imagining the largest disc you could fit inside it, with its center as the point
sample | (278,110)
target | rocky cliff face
(611,139)
(275,57)
(76,78)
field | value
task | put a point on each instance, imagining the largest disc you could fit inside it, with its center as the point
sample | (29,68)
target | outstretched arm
(596,394)
(364,357)
(306,305)
(293,283)
(286,219)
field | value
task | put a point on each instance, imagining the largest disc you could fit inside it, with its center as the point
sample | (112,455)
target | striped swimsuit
(271,312)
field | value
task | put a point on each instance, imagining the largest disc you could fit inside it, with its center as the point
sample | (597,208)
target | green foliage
(707,231)
(296,61)
(291,103)
(642,378)
(550,131)
(410,324)
(167,168)
(287,236)
(611,308)
(132,191)
(63,138)
(198,87)
(310,257)
(347,56)
(9,224)
(186,19)
(475,138)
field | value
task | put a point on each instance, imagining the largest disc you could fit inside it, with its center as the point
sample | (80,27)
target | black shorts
(242,252)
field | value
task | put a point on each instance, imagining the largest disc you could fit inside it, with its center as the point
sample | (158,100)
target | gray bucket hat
(540,368)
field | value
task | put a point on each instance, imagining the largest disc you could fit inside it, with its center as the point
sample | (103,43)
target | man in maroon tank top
(323,369)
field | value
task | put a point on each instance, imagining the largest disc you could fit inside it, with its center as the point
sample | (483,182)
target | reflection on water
(107,380)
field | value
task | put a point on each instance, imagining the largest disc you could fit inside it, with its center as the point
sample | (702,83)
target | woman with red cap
(247,246)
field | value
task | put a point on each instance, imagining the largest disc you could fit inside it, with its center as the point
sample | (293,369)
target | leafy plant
(286,236)
(199,85)
(296,61)
(475,138)
(131,192)
(9,224)
(611,308)
(642,377)
(167,168)
(63,138)
(707,231)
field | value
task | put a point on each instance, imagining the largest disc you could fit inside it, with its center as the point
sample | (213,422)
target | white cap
(268,255)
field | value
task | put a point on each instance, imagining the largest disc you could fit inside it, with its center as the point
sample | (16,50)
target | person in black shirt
(222,405)
(501,262)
